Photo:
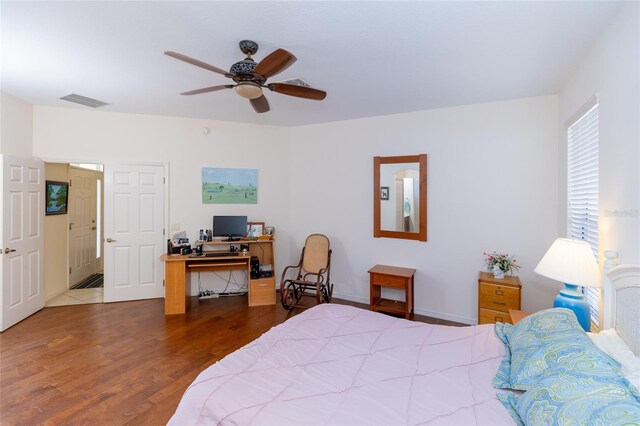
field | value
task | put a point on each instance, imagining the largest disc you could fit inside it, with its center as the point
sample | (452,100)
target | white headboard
(621,303)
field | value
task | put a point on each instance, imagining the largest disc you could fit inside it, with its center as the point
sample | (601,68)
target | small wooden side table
(517,315)
(394,277)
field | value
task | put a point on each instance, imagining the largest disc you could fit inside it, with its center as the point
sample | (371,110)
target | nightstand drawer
(499,298)
(262,292)
(488,316)
(388,281)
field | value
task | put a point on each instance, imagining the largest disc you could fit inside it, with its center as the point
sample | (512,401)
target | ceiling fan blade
(208,89)
(275,62)
(195,62)
(298,91)
(260,104)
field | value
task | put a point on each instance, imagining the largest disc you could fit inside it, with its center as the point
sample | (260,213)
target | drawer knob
(499,319)
(499,292)
(499,303)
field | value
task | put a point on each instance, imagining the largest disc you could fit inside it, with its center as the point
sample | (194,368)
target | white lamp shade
(571,262)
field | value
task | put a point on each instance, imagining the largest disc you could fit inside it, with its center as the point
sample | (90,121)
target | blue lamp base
(570,298)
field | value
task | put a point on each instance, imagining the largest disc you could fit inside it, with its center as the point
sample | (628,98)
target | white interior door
(82,224)
(22,239)
(133,231)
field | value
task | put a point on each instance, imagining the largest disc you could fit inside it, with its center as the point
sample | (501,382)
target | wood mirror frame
(421,235)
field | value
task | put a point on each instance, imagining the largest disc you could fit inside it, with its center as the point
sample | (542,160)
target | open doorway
(74,241)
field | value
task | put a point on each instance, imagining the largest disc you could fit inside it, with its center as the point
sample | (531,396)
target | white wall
(492,185)
(487,165)
(16,126)
(97,137)
(612,70)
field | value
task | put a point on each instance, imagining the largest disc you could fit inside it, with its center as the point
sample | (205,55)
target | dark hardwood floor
(121,363)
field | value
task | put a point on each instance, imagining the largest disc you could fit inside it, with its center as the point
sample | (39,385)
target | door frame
(165,166)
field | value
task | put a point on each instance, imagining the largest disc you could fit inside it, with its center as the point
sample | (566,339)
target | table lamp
(573,263)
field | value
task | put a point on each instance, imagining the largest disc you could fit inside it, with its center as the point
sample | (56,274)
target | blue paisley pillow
(567,379)
(548,339)
(575,397)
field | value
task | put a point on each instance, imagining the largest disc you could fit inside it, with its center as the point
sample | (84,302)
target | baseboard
(57,293)
(425,312)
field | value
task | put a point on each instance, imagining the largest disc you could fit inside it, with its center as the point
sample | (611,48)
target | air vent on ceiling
(83,100)
(297,82)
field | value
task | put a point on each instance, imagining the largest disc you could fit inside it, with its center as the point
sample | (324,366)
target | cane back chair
(312,277)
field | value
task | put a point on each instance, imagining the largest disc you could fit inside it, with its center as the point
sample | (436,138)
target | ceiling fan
(251,77)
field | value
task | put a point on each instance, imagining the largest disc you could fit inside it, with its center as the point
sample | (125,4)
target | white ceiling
(372,58)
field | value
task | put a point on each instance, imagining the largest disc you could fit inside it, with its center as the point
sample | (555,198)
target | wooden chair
(313,275)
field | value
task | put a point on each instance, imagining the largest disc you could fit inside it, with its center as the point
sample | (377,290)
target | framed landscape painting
(229,186)
(57,196)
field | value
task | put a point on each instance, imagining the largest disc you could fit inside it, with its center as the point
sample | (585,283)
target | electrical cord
(241,289)
(231,278)
(262,252)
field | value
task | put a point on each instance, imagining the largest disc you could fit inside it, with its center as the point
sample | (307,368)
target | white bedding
(609,342)
(336,364)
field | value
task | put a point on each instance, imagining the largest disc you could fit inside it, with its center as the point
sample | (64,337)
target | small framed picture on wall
(384,192)
(57,197)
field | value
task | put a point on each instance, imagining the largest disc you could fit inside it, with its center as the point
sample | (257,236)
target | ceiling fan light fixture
(251,77)
(248,90)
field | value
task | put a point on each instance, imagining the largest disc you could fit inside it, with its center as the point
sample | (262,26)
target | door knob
(109,240)
(8,250)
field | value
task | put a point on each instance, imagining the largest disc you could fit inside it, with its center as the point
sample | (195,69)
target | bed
(336,364)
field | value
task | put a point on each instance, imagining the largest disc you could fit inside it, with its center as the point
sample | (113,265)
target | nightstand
(496,297)
(394,277)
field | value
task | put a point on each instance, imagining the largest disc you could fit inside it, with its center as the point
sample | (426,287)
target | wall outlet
(175,227)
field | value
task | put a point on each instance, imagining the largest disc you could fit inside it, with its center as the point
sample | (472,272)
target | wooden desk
(394,277)
(178,270)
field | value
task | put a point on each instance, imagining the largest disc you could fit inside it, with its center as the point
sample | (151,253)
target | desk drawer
(388,281)
(499,298)
(262,292)
(487,316)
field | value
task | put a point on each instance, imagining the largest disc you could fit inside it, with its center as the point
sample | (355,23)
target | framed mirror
(400,197)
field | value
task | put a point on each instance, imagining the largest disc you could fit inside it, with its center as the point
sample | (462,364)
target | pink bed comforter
(336,364)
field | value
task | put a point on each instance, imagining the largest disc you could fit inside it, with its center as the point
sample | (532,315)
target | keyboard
(221,254)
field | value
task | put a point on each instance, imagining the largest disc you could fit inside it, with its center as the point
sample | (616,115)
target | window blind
(582,190)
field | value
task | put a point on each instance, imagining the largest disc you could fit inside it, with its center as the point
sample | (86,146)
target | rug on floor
(92,281)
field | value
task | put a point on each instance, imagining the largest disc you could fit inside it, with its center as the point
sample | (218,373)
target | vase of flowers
(500,264)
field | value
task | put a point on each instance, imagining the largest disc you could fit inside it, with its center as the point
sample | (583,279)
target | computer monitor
(232,227)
